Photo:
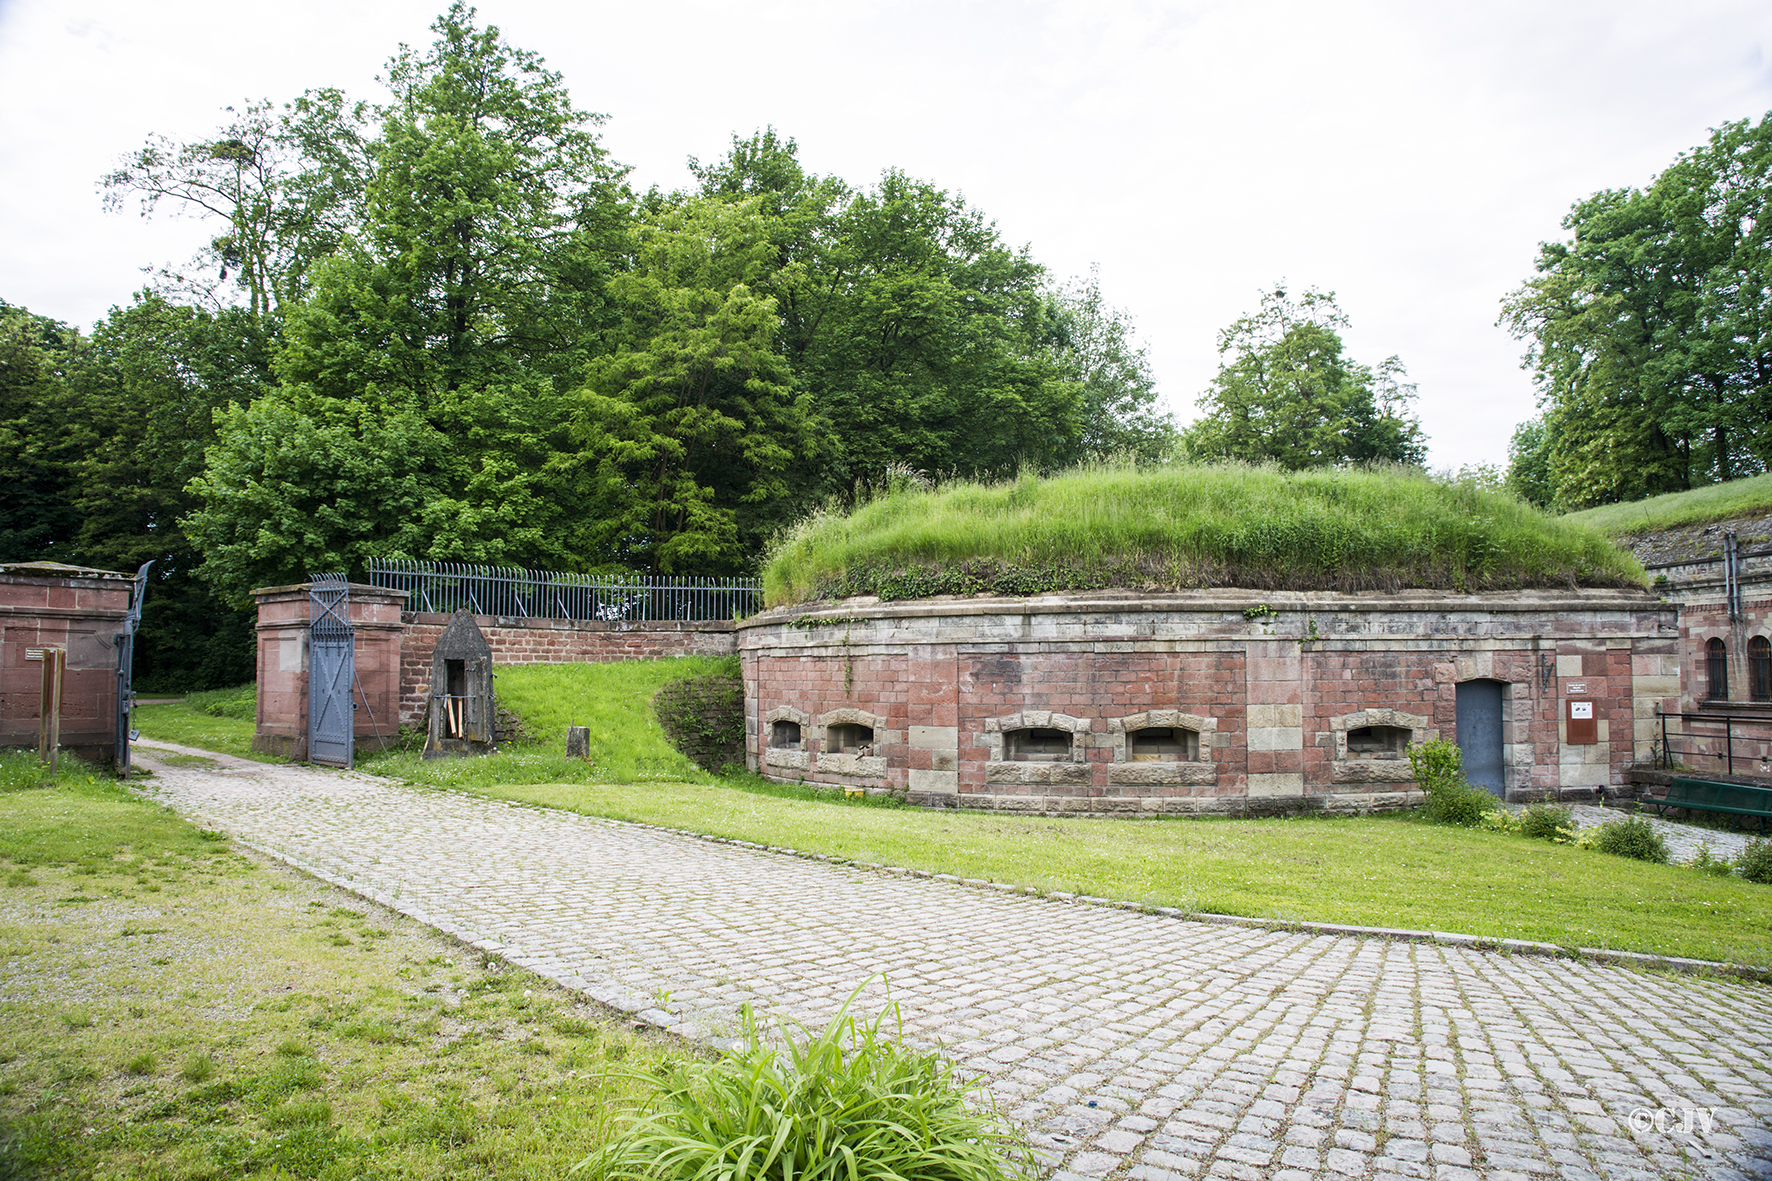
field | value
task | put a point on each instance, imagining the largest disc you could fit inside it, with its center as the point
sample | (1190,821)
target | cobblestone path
(1129,1045)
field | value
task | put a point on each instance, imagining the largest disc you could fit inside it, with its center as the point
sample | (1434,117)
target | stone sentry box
(1207,702)
(463,707)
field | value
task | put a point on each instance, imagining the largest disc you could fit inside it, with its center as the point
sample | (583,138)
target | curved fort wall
(1212,701)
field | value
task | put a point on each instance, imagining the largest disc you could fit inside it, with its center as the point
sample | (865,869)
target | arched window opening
(784,735)
(1037,745)
(1716,678)
(849,738)
(1163,744)
(1759,668)
(1378,742)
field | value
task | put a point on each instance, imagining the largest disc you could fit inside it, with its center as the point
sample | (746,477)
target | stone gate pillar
(283,666)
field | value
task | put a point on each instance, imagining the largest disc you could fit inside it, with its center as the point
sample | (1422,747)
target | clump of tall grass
(1188,526)
(849,1103)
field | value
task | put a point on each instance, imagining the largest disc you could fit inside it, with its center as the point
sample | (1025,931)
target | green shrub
(1632,837)
(1439,769)
(1755,862)
(849,1103)
(1547,822)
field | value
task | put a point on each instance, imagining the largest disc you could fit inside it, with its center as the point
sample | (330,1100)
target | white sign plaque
(1581,711)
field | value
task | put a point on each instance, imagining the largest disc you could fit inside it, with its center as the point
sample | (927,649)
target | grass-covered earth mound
(1187,527)
(1736,499)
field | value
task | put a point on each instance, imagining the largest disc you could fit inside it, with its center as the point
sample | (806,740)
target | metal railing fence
(1716,743)
(545,594)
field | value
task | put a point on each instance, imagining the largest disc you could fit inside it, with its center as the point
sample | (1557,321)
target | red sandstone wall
(551,641)
(83,615)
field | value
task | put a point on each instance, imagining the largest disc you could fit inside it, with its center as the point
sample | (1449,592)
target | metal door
(1479,735)
(332,669)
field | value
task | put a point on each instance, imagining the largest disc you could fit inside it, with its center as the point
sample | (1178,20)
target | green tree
(286,187)
(1286,393)
(492,219)
(692,422)
(920,336)
(1649,329)
(45,430)
(1093,346)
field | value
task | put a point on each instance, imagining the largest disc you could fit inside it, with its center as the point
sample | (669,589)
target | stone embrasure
(972,700)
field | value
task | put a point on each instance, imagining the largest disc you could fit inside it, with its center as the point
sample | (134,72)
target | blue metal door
(1479,735)
(332,669)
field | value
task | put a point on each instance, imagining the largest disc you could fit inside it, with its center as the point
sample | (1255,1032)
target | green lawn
(174,1010)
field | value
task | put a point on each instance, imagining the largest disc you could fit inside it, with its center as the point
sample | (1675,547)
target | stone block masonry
(1216,701)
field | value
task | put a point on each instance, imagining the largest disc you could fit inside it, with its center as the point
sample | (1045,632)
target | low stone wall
(1282,694)
(551,641)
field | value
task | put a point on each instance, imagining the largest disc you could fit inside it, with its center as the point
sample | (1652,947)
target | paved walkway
(1129,1045)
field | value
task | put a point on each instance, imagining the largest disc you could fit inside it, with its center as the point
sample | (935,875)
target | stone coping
(869,607)
(37,571)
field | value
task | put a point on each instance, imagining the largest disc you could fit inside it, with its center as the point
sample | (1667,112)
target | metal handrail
(1734,727)
(445,587)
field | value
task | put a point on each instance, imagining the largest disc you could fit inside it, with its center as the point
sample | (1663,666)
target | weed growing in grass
(1547,822)
(850,1102)
(1631,837)
(1703,862)
(198,1068)
(1755,862)
(143,1063)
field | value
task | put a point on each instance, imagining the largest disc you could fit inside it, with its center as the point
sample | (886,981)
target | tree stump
(578,742)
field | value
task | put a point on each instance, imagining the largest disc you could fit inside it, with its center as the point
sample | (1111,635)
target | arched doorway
(1479,735)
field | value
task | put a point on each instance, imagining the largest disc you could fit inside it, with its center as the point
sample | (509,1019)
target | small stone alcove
(1372,745)
(784,729)
(462,705)
(849,738)
(1162,747)
(1037,746)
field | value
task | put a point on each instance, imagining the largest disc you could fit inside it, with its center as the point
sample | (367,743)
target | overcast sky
(1409,157)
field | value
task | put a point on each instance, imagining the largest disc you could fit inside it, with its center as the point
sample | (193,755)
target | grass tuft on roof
(1736,499)
(1188,527)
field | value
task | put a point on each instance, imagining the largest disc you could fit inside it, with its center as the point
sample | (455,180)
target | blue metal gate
(332,670)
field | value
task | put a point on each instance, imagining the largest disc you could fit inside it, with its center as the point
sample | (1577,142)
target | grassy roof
(1190,527)
(1751,497)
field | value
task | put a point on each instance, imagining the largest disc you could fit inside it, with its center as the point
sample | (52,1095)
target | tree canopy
(444,326)
(1287,393)
(1649,332)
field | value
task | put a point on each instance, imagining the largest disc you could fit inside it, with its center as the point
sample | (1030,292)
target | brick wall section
(75,609)
(551,641)
(946,677)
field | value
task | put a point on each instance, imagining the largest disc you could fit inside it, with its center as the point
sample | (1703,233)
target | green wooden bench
(1707,795)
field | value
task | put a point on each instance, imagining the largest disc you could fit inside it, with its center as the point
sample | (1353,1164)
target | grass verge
(1385,871)
(1183,527)
(1751,497)
(171,1009)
